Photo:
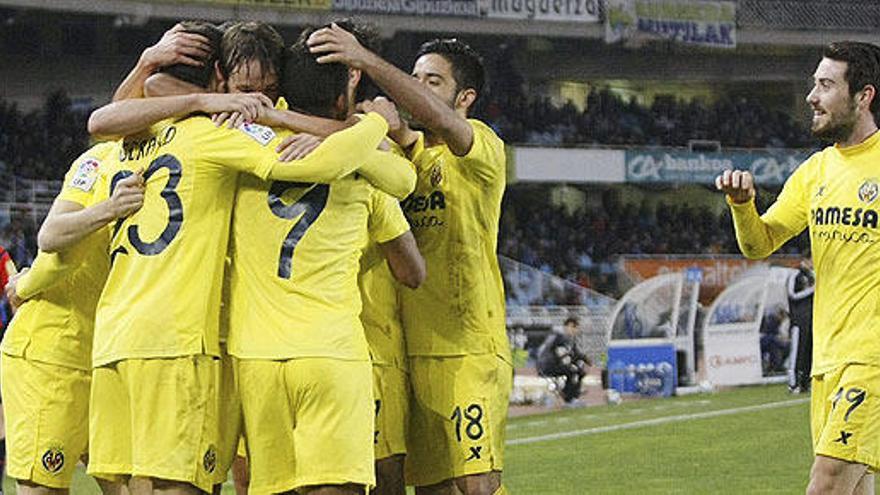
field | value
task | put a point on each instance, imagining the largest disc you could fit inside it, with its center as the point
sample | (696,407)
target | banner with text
(717,271)
(768,168)
(278,4)
(708,23)
(440,8)
(586,11)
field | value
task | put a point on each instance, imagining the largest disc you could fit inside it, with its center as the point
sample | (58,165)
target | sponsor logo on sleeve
(260,133)
(86,174)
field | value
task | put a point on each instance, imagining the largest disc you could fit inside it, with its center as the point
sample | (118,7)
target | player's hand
(11,294)
(177,47)
(738,185)
(384,107)
(404,136)
(297,146)
(338,45)
(128,195)
(234,108)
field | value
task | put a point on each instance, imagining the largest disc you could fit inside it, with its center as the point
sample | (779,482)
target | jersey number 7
(311,202)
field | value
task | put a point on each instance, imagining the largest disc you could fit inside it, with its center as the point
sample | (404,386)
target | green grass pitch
(745,440)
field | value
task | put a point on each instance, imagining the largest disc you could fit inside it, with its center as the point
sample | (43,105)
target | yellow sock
(502,490)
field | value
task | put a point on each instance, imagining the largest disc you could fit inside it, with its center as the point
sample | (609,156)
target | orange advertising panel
(717,271)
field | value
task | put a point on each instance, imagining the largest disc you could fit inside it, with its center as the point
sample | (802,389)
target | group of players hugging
(260,265)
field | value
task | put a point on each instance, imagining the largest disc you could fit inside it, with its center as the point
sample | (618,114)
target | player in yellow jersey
(302,359)
(50,338)
(460,361)
(835,195)
(190,170)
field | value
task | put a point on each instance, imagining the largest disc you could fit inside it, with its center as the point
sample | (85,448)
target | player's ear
(218,76)
(465,98)
(354,77)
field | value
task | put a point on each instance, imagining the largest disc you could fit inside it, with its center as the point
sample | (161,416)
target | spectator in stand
(7,270)
(560,356)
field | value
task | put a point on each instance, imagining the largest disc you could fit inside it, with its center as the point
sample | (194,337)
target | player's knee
(389,476)
(169,487)
(30,488)
(479,484)
(827,476)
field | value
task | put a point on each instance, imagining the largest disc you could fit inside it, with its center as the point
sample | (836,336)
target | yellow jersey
(380,314)
(296,252)
(454,214)
(162,297)
(56,323)
(835,194)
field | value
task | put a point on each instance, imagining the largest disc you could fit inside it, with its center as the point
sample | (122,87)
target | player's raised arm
(759,236)
(389,173)
(125,117)
(339,155)
(177,46)
(338,45)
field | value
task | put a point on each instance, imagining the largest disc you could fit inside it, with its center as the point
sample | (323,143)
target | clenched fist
(738,185)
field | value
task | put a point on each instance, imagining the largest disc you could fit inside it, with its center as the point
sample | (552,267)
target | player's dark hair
(467,65)
(251,40)
(308,86)
(198,75)
(572,320)
(862,67)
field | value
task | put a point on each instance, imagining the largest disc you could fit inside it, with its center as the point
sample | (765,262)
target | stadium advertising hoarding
(696,23)
(768,168)
(444,8)
(733,354)
(586,11)
(717,271)
(536,164)
(286,4)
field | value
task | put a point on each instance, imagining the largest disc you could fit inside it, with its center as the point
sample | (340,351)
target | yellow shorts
(391,393)
(307,422)
(229,416)
(47,420)
(458,415)
(155,418)
(845,414)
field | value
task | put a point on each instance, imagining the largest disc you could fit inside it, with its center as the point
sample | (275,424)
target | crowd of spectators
(40,144)
(608,119)
(583,246)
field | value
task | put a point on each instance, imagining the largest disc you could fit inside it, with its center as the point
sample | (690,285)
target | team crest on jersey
(209,461)
(53,460)
(86,174)
(437,175)
(869,191)
(259,133)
